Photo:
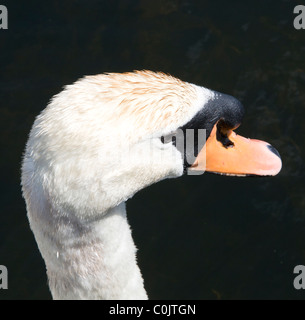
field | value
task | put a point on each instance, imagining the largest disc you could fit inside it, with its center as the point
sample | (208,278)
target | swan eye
(170,138)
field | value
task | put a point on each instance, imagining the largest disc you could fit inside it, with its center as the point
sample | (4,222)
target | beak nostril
(229,144)
(273,150)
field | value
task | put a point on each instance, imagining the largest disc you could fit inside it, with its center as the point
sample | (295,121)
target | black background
(199,237)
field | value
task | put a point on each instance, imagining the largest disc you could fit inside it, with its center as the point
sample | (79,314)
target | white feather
(94,146)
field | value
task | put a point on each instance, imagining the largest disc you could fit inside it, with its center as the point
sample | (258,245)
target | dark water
(199,237)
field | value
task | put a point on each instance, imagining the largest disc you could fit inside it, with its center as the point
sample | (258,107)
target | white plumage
(89,150)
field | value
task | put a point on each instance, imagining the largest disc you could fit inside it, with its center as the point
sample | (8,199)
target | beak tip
(277,161)
(272,149)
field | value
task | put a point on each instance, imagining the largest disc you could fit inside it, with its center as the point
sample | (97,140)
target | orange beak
(240,157)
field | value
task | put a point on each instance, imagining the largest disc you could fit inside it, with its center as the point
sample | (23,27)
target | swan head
(105,137)
(101,140)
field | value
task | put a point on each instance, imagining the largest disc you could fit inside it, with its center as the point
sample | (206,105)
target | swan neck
(102,265)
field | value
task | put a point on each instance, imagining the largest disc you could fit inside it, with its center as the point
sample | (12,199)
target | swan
(98,142)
